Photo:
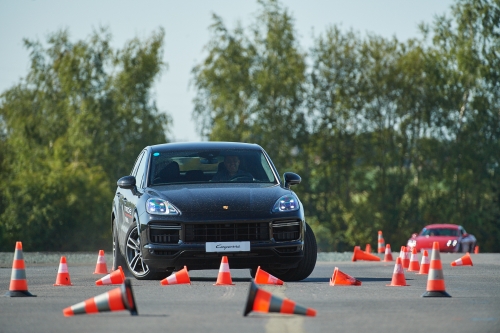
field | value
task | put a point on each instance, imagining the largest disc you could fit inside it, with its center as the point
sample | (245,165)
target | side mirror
(291,179)
(127,182)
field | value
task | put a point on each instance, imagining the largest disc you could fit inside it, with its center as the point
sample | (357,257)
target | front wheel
(306,265)
(133,257)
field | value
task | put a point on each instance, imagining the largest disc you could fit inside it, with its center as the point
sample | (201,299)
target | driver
(231,170)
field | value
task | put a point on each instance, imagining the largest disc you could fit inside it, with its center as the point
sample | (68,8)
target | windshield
(209,166)
(439,232)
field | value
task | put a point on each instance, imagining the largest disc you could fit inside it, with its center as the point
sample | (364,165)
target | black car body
(170,212)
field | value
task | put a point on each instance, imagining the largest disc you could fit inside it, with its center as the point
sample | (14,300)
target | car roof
(206,145)
(442,226)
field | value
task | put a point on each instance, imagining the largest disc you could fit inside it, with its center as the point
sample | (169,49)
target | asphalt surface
(202,307)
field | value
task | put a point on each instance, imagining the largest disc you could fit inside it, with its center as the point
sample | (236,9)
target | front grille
(284,231)
(226,232)
(164,233)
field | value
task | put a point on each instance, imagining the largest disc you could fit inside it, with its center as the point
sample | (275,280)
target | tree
(251,89)
(73,126)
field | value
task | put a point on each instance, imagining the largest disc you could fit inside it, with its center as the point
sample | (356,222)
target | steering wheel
(241,177)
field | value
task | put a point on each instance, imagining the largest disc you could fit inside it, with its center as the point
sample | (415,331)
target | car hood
(220,197)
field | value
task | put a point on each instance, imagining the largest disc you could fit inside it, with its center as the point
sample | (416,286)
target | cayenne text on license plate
(227,247)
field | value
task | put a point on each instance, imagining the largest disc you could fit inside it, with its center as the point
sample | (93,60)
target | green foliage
(387,135)
(71,128)
(250,89)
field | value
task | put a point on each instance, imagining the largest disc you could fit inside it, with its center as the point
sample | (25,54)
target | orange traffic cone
(424,264)
(341,278)
(224,277)
(361,255)
(435,279)
(100,267)
(260,300)
(464,261)
(121,298)
(388,253)
(398,276)
(18,283)
(476,249)
(181,277)
(414,265)
(115,277)
(62,278)
(380,243)
(405,259)
(368,248)
(263,277)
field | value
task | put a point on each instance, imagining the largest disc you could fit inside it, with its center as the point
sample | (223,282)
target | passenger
(230,169)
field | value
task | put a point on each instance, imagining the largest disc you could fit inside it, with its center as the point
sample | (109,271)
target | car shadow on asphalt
(206,279)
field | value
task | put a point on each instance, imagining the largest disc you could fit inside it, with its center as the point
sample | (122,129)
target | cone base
(15,293)
(224,284)
(128,298)
(397,285)
(436,294)
(61,285)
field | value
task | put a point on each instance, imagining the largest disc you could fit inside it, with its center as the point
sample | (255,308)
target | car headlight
(451,242)
(161,207)
(287,203)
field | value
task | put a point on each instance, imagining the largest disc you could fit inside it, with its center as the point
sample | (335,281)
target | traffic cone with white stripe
(341,278)
(398,276)
(388,253)
(380,243)
(115,277)
(18,283)
(405,256)
(100,267)
(121,298)
(425,263)
(464,261)
(260,300)
(435,279)
(180,277)
(414,265)
(263,277)
(224,277)
(62,278)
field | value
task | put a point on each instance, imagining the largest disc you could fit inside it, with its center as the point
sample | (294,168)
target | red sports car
(451,238)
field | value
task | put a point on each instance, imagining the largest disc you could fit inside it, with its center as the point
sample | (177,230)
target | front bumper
(271,254)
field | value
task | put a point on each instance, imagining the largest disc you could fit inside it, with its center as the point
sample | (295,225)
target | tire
(133,259)
(306,265)
(118,259)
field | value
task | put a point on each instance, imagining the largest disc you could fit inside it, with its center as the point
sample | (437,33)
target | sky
(186,25)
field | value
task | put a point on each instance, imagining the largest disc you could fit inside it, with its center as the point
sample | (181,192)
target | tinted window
(141,170)
(204,166)
(440,232)
(137,162)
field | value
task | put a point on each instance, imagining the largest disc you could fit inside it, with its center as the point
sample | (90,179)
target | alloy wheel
(134,255)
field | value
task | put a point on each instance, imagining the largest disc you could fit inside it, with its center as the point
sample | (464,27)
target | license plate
(227,247)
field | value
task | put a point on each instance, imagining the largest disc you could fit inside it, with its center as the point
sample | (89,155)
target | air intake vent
(164,233)
(284,231)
